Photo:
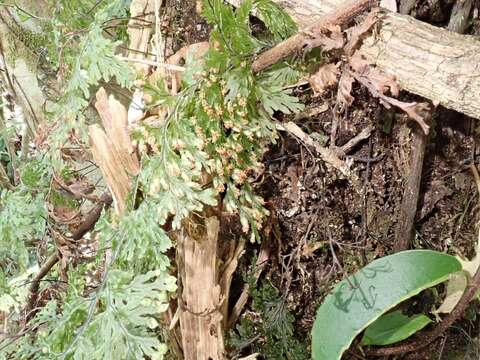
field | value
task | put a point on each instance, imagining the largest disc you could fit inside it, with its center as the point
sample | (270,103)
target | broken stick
(327,155)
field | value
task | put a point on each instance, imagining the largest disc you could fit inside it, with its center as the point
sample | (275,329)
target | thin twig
(33,291)
(15,6)
(242,300)
(153,63)
(362,135)
(158,34)
(92,216)
(327,155)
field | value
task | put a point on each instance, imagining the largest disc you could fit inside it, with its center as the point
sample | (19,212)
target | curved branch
(87,225)
(32,298)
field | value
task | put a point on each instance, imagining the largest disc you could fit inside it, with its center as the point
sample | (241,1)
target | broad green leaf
(394,327)
(363,297)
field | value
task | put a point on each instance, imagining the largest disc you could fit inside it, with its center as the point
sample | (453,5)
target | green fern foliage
(203,152)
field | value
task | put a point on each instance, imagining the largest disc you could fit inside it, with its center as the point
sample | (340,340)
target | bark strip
(408,209)
(200,295)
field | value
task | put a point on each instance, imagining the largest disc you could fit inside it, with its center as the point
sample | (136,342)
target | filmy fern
(203,152)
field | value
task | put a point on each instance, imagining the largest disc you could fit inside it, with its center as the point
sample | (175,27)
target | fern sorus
(220,123)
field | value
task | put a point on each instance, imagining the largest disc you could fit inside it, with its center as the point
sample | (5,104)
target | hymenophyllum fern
(211,141)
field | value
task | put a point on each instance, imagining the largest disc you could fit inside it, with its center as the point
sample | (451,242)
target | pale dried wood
(112,149)
(140,29)
(115,121)
(459,19)
(227,275)
(110,165)
(200,294)
(426,60)
(406,6)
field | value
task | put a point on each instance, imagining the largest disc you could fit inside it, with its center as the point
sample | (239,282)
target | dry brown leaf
(380,81)
(324,78)
(355,33)
(330,38)
(416,111)
(344,93)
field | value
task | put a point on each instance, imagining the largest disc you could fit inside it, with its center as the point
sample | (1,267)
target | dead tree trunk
(200,298)
(428,61)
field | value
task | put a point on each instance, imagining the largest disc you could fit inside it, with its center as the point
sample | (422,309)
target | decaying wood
(459,19)
(200,298)
(428,61)
(227,275)
(112,149)
(262,259)
(408,208)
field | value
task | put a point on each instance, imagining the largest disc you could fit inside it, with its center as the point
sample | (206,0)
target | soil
(325,229)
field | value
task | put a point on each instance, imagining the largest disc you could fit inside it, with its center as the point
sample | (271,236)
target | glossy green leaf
(363,297)
(394,327)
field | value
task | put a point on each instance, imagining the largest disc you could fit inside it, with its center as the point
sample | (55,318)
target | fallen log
(432,62)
